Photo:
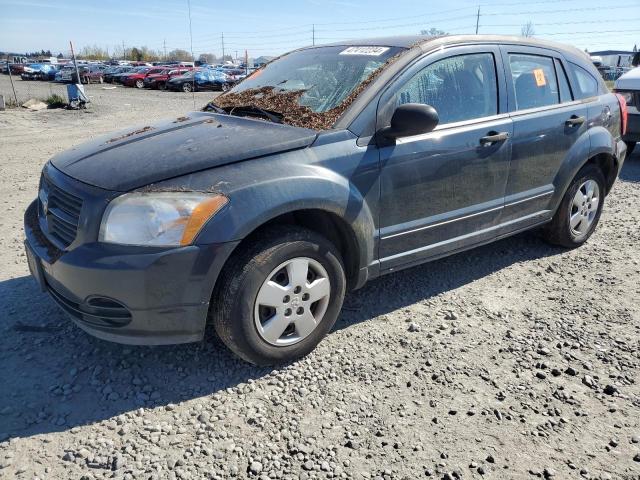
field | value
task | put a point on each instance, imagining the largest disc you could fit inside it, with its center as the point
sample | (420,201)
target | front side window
(587,85)
(460,88)
(534,81)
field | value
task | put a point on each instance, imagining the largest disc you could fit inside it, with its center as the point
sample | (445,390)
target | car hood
(140,156)
(629,81)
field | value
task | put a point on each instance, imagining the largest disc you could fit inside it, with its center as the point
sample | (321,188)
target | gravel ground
(514,360)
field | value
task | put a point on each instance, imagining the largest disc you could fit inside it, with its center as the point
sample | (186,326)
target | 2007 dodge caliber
(330,166)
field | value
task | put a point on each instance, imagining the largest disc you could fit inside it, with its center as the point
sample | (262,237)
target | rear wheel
(187,87)
(630,147)
(579,211)
(139,83)
(280,296)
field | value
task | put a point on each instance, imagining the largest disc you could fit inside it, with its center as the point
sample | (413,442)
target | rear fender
(595,141)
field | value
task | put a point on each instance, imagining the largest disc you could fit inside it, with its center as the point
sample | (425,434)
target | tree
(180,55)
(434,32)
(635,48)
(227,58)
(93,53)
(208,58)
(527,30)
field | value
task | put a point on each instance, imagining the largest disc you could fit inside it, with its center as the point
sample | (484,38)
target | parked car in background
(112,76)
(64,74)
(89,73)
(121,77)
(200,79)
(93,73)
(628,85)
(334,165)
(159,80)
(136,79)
(37,71)
(17,68)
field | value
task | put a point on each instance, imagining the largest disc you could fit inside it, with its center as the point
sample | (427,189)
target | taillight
(623,113)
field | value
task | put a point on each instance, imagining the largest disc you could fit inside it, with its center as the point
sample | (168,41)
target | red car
(159,80)
(136,79)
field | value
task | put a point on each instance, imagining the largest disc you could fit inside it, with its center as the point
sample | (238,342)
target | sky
(28,25)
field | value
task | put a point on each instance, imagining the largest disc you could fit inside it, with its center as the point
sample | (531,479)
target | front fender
(312,187)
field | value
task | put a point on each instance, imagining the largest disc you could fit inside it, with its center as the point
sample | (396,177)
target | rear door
(548,127)
(444,190)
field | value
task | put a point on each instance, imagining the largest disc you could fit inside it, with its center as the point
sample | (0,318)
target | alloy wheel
(584,208)
(292,301)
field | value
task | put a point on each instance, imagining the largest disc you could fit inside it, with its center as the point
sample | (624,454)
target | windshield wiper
(275,117)
(213,107)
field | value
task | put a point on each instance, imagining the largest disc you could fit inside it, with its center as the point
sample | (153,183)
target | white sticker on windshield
(370,51)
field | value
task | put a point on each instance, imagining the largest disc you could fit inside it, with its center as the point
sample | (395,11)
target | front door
(443,191)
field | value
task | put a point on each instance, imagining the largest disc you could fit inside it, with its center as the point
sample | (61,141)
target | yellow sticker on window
(540,80)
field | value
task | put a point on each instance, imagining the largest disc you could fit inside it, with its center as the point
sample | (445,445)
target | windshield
(320,78)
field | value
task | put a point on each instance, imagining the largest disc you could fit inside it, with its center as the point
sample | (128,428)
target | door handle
(494,137)
(575,120)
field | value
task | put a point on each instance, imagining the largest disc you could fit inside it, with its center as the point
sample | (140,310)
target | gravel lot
(514,360)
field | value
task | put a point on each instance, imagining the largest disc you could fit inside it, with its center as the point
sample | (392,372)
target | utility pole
(124,52)
(478,20)
(164,44)
(313,34)
(222,37)
(11,80)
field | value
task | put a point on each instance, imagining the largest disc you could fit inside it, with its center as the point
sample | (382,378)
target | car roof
(429,42)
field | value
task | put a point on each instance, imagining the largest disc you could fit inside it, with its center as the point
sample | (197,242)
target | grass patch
(56,101)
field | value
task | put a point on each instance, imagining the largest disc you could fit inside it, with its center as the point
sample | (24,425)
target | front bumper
(127,294)
(633,128)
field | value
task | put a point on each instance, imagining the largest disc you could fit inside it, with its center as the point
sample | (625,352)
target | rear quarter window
(586,84)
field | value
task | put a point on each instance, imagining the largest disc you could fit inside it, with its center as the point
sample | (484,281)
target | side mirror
(411,119)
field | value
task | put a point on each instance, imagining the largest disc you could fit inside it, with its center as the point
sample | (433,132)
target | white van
(628,85)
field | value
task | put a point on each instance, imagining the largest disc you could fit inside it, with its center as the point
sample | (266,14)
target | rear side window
(534,81)
(587,84)
(460,88)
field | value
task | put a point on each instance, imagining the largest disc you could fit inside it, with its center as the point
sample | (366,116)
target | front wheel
(187,87)
(139,83)
(579,211)
(280,296)
(630,147)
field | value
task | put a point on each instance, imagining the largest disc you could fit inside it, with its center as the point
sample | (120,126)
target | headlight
(160,219)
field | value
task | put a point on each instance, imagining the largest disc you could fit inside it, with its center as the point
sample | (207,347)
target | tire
(560,230)
(241,320)
(139,83)
(187,87)
(630,147)
(225,87)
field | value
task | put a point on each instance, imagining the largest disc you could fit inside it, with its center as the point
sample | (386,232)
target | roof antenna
(478,20)
(193,59)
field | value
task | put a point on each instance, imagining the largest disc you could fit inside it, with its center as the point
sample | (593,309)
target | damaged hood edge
(139,156)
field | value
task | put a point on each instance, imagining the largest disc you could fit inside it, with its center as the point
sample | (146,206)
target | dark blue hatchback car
(328,167)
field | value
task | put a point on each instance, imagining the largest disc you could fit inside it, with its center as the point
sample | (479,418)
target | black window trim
(543,52)
(575,79)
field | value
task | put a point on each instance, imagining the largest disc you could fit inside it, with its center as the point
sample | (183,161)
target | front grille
(60,210)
